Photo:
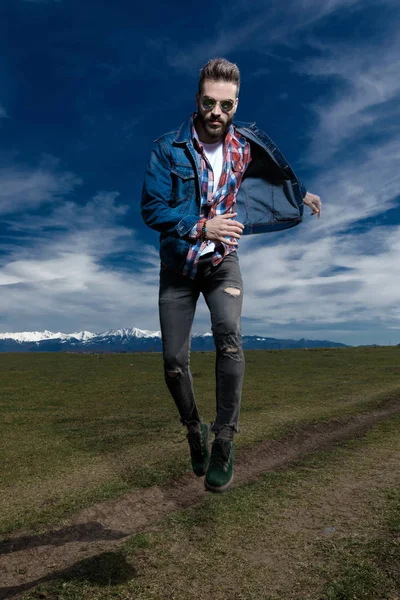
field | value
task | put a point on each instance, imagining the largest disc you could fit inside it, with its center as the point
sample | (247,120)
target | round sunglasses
(209,103)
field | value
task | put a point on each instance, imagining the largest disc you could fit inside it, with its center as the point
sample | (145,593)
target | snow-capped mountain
(130,332)
(38,336)
(133,340)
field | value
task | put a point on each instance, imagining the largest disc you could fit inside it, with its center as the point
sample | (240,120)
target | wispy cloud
(25,188)
(369,82)
(259,29)
(364,187)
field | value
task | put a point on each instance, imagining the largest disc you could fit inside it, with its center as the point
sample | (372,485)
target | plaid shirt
(236,160)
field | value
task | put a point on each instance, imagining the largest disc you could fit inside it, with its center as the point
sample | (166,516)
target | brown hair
(220,69)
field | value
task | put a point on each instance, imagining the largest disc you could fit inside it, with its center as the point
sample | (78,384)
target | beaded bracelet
(204,232)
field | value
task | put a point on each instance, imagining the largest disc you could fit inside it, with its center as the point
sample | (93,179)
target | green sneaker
(199,450)
(220,471)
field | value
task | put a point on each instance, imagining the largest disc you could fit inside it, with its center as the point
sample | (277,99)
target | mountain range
(135,340)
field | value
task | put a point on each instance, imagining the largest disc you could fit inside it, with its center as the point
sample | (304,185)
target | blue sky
(85,87)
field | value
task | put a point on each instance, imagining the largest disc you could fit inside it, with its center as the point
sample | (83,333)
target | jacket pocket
(183,184)
(183,170)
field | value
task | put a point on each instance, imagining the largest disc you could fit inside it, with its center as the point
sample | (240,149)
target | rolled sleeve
(196,231)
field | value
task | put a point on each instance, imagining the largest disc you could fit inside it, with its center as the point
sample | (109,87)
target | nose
(216,111)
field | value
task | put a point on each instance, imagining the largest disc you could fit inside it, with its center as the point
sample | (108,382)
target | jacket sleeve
(156,193)
(303,189)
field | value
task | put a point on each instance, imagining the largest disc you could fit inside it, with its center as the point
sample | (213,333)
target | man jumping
(205,185)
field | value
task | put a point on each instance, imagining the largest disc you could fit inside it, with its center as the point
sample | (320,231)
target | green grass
(83,428)
(367,569)
(267,540)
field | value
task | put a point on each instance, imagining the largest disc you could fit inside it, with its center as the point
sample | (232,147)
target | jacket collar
(184,134)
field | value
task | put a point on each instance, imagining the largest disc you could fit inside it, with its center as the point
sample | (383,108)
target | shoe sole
(218,489)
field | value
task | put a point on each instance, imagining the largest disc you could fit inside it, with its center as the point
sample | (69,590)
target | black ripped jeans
(222,289)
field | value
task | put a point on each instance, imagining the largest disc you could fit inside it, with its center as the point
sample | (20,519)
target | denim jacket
(270,197)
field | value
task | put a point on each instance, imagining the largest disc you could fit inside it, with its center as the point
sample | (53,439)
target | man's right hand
(222,226)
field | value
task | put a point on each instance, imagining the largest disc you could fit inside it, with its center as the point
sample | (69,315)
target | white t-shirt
(215,156)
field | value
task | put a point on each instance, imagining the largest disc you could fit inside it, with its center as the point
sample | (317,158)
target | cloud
(3,114)
(369,82)
(288,282)
(364,187)
(24,188)
(326,273)
(69,275)
(72,290)
(265,27)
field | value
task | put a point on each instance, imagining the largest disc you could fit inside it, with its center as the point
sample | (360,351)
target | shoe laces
(195,443)
(221,452)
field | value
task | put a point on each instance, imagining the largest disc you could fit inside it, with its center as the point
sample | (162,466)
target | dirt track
(27,560)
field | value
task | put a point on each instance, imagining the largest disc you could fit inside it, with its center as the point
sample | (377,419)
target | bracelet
(204,232)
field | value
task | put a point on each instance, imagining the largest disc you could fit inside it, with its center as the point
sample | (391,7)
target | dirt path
(27,560)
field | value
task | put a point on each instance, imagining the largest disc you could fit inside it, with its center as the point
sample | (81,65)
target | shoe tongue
(225,447)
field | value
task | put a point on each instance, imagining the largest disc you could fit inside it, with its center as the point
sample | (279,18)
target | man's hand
(222,226)
(314,202)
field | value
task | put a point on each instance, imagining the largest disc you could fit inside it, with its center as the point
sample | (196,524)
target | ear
(236,104)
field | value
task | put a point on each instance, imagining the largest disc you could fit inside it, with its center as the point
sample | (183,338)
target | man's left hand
(314,202)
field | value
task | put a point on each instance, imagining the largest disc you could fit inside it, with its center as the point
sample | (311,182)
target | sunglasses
(209,103)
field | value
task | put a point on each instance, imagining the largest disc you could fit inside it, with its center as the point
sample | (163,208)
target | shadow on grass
(104,570)
(85,532)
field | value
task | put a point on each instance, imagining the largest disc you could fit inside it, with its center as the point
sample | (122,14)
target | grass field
(82,429)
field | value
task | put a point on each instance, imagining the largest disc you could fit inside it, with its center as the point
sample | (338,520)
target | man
(198,180)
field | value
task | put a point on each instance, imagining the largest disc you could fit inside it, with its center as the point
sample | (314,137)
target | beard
(215,133)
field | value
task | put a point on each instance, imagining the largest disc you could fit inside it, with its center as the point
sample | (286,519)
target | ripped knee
(232,352)
(233,291)
(173,373)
